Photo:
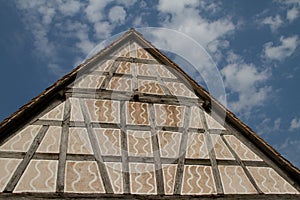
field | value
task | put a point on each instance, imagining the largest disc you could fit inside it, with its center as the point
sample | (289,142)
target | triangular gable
(129,121)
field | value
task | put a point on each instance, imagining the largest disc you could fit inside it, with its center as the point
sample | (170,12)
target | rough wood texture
(63,148)
(240,162)
(156,154)
(124,148)
(212,156)
(96,150)
(140,197)
(182,151)
(21,168)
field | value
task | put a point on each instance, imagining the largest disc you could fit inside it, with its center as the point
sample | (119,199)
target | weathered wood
(30,196)
(140,159)
(136,60)
(48,122)
(169,160)
(261,153)
(240,163)
(124,149)
(110,75)
(156,152)
(143,97)
(45,156)
(197,162)
(112,158)
(212,156)
(22,166)
(182,152)
(96,149)
(17,155)
(134,77)
(63,148)
(246,163)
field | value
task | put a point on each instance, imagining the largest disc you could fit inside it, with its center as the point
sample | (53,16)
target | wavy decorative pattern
(79,142)
(124,51)
(163,72)
(83,177)
(141,52)
(109,141)
(76,113)
(22,140)
(115,175)
(89,82)
(142,178)
(7,169)
(197,180)
(56,113)
(169,143)
(139,143)
(137,113)
(221,150)
(39,176)
(51,141)
(124,68)
(235,181)
(212,123)
(146,69)
(105,66)
(150,87)
(241,150)
(103,110)
(179,89)
(196,146)
(169,115)
(270,182)
(120,84)
(195,121)
(169,172)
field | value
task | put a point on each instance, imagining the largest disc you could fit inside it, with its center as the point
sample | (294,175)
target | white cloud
(103,29)
(185,18)
(268,126)
(69,7)
(84,44)
(285,49)
(292,14)
(138,21)
(273,22)
(176,6)
(246,82)
(295,124)
(117,14)
(95,10)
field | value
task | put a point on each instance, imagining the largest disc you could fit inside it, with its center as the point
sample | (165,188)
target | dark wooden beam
(156,152)
(124,149)
(96,149)
(60,184)
(24,163)
(212,156)
(240,163)
(182,152)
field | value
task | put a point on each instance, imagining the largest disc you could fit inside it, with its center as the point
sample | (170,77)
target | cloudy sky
(254,44)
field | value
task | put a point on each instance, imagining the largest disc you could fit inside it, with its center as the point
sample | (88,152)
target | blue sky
(254,43)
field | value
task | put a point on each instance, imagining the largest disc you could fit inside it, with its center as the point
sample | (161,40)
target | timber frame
(60,92)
